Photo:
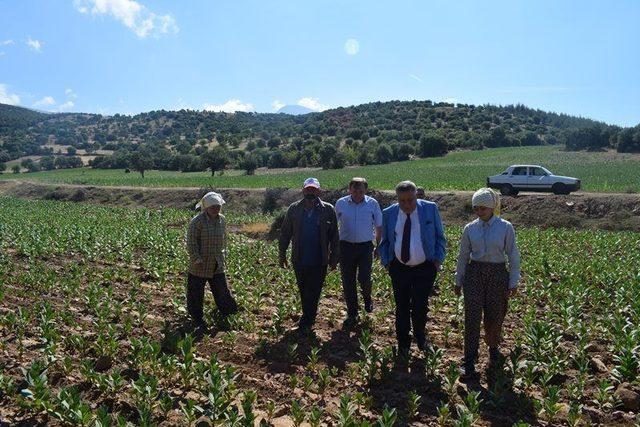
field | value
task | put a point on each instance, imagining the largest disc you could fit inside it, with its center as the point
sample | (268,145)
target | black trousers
(411,289)
(195,295)
(310,280)
(356,260)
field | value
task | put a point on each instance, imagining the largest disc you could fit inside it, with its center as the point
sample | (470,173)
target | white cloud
(231,106)
(34,45)
(8,98)
(277,105)
(70,93)
(312,104)
(66,106)
(6,42)
(132,14)
(416,78)
(45,102)
(351,46)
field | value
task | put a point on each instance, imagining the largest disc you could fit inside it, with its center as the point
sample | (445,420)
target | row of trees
(46,163)
(330,153)
(598,138)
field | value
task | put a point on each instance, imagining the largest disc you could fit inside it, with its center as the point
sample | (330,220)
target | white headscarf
(487,198)
(210,199)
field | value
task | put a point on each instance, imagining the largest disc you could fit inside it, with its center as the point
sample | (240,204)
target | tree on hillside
(249,164)
(15,169)
(3,167)
(47,163)
(593,138)
(530,138)
(383,154)
(326,153)
(628,140)
(71,151)
(140,162)
(433,145)
(216,159)
(497,138)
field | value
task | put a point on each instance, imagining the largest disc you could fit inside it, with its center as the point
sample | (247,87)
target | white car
(531,178)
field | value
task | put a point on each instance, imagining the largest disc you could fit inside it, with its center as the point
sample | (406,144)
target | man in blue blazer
(412,250)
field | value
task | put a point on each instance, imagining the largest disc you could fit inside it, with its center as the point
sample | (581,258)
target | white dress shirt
(416,251)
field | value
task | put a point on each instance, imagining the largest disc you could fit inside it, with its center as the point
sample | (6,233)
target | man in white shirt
(360,220)
(412,249)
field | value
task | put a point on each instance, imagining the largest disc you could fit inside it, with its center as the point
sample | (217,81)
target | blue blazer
(431,232)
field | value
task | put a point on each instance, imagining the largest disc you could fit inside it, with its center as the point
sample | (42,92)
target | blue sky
(126,56)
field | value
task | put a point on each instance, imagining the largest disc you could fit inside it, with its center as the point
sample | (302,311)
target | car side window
(537,172)
(519,171)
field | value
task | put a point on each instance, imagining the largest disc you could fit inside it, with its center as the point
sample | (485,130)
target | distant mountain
(295,110)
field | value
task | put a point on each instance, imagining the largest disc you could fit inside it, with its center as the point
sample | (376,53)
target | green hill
(375,133)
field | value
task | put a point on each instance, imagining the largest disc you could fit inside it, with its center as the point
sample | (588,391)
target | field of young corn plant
(93,331)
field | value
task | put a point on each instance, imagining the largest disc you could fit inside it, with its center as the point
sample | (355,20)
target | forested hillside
(374,133)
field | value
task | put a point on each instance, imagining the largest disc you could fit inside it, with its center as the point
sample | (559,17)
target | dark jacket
(292,227)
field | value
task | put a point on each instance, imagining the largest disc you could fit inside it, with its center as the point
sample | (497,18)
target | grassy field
(93,331)
(608,172)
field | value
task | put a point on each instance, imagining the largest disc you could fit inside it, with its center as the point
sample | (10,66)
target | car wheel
(507,190)
(559,188)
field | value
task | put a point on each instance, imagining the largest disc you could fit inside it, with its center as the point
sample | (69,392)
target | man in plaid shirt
(206,242)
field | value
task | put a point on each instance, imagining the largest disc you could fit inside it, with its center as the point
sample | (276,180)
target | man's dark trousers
(411,289)
(356,260)
(221,294)
(310,280)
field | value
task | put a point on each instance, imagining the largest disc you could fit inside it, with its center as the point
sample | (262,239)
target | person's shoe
(198,324)
(494,355)
(351,320)
(423,344)
(468,372)
(199,328)
(368,306)
(402,358)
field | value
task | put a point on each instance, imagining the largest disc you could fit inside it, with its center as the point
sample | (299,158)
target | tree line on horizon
(375,133)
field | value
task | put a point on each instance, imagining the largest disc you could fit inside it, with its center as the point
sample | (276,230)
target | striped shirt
(206,242)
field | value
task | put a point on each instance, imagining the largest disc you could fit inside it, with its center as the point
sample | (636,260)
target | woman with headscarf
(206,243)
(484,277)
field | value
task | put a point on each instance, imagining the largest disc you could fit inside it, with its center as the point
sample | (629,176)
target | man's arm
(383,247)
(377,222)
(441,240)
(334,243)
(286,230)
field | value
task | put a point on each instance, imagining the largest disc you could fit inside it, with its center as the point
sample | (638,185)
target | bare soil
(604,211)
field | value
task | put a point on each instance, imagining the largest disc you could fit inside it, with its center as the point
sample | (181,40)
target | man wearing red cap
(311,226)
